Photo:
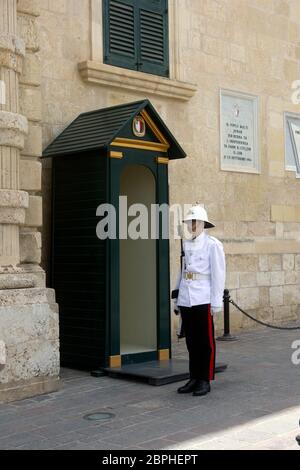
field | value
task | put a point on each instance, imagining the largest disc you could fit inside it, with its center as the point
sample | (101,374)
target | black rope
(261,322)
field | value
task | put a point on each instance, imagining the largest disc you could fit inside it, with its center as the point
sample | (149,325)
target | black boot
(188,387)
(202,388)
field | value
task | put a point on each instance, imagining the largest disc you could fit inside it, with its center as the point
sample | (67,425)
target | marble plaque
(239,131)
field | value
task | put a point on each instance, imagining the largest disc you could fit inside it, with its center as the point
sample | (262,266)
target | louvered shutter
(153,40)
(136,35)
(120,33)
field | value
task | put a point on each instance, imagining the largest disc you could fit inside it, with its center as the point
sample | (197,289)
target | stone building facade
(51,60)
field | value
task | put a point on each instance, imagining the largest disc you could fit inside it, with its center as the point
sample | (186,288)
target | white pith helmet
(198,213)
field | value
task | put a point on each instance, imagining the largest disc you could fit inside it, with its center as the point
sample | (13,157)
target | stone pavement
(255,404)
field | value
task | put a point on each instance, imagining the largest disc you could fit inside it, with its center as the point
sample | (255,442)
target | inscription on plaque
(239,149)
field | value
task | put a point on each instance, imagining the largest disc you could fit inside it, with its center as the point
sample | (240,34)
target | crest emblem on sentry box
(139,126)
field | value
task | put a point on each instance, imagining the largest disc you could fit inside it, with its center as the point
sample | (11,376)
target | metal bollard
(226,336)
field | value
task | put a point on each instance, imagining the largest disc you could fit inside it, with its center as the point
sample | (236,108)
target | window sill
(107,75)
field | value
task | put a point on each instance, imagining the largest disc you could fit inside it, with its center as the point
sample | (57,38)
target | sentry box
(113,293)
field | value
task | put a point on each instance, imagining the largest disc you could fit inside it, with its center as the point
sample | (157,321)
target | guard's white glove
(176,309)
(215,310)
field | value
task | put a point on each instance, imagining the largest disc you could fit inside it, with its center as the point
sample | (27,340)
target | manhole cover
(99,416)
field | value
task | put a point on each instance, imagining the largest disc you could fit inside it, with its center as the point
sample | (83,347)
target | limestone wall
(249,46)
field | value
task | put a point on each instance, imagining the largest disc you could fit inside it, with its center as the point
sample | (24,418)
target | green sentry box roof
(97,129)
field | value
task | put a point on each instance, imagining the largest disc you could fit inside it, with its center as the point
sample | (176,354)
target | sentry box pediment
(116,126)
(114,293)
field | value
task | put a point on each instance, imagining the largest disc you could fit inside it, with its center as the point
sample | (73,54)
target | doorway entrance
(138,276)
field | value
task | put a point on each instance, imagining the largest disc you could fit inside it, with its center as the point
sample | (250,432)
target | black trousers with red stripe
(199,331)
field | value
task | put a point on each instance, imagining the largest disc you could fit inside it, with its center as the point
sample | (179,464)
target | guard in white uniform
(201,285)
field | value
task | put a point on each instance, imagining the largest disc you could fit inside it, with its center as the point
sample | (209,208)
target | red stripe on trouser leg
(212,345)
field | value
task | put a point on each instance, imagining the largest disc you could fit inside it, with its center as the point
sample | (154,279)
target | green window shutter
(120,33)
(136,35)
(153,41)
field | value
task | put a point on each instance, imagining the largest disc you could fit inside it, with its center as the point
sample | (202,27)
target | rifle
(174,294)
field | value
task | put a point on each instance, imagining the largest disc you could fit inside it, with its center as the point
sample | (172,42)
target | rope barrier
(263,323)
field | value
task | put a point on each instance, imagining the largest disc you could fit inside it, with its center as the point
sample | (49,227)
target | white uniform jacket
(205,255)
